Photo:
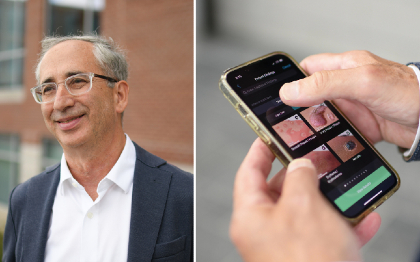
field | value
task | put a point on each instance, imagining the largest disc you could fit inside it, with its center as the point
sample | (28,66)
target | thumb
(300,180)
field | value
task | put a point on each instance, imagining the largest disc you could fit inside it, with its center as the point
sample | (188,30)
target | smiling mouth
(68,124)
(69,120)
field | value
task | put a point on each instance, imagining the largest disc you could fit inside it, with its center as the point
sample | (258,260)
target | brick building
(158,38)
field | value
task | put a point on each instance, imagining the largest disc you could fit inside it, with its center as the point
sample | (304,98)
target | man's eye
(48,89)
(76,80)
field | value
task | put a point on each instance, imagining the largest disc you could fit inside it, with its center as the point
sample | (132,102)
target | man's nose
(63,98)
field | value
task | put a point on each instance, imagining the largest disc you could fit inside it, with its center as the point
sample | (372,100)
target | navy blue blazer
(161,226)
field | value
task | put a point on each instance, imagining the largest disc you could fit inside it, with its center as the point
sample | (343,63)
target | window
(12,19)
(52,152)
(70,17)
(9,165)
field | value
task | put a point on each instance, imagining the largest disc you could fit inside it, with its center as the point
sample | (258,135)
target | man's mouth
(68,120)
(68,123)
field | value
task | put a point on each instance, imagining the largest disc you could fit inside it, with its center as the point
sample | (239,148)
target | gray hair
(109,57)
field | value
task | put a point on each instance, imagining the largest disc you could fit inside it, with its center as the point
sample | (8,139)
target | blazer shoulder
(42,180)
(179,175)
(181,181)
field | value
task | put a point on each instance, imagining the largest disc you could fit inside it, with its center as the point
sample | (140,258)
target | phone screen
(352,176)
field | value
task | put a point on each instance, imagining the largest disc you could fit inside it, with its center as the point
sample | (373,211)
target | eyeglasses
(75,85)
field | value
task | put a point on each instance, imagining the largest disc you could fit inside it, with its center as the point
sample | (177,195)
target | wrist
(413,153)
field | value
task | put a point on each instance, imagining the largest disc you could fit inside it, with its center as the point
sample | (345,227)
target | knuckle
(351,56)
(370,74)
(319,80)
(364,53)
(371,70)
(234,229)
(236,232)
(356,58)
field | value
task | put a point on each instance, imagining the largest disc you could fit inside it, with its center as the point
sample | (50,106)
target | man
(287,218)
(108,199)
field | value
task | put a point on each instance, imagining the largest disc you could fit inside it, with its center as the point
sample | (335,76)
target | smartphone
(353,176)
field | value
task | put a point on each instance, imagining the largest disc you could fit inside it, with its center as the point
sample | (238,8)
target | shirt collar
(122,173)
(65,175)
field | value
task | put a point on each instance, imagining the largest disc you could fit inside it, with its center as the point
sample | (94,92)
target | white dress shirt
(85,230)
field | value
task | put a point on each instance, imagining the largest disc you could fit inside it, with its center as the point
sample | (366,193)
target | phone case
(277,149)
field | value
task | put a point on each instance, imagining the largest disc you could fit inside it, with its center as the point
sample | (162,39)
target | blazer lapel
(41,190)
(150,190)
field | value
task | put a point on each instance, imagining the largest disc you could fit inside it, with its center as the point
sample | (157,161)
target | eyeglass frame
(91,76)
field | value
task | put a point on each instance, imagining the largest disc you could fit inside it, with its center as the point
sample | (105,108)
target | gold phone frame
(252,120)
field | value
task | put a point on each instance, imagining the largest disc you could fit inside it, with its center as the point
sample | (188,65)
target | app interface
(351,174)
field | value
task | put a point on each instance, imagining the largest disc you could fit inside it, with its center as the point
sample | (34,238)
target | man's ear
(121,90)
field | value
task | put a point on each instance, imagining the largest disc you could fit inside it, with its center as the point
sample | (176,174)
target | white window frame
(15,93)
(88,7)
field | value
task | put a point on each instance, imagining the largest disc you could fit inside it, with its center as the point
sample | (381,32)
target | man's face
(77,120)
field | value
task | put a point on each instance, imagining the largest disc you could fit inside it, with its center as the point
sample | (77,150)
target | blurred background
(158,38)
(230,32)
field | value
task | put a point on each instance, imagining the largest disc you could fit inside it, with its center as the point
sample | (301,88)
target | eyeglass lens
(76,85)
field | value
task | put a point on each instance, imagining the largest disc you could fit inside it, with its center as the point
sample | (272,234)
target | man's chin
(70,140)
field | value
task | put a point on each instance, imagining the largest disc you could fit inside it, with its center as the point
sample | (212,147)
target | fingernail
(290,91)
(298,163)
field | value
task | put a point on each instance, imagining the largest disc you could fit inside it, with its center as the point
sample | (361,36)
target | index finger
(346,60)
(320,62)
(250,183)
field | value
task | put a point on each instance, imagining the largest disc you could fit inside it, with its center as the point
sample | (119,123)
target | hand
(380,97)
(287,218)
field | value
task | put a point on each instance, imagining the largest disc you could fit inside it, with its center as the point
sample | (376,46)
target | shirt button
(89,215)
(74,184)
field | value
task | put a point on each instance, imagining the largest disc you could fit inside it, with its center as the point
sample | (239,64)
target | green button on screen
(362,188)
